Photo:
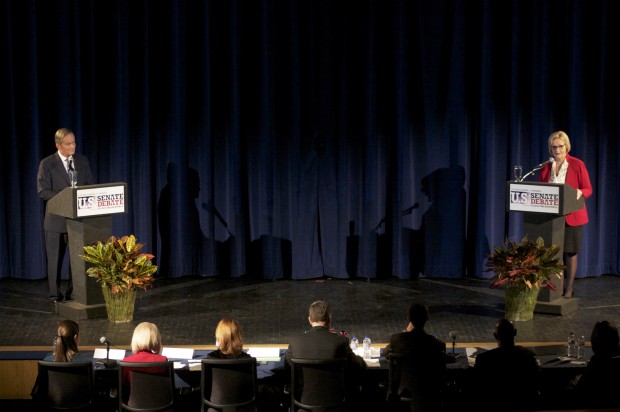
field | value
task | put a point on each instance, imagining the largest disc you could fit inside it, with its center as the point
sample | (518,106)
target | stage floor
(187,310)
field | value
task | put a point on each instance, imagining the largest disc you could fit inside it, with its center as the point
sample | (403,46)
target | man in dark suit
(321,343)
(506,370)
(422,371)
(54,175)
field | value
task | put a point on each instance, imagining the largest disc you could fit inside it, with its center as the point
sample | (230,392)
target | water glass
(74,179)
(518,170)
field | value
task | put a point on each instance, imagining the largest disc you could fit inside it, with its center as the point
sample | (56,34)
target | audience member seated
(229,340)
(507,377)
(145,346)
(599,385)
(422,376)
(321,343)
(66,343)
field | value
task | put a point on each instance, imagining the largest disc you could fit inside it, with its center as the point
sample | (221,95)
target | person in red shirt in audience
(146,344)
(146,347)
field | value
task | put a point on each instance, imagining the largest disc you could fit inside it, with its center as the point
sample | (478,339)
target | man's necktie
(70,169)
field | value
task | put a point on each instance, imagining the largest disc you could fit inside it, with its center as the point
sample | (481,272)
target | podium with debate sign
(544,206)
(88,211)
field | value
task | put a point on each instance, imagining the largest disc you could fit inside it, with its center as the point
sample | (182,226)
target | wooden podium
(89,211)
(544,206)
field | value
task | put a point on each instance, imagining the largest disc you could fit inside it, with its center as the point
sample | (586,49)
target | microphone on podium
(540,166)
(107,363)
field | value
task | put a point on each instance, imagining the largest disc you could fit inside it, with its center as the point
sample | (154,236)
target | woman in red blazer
(146,347)
(572,171)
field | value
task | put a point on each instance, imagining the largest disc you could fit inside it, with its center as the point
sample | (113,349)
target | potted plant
(522,268)
(121,268)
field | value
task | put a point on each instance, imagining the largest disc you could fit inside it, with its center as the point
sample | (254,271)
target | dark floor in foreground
(187,310)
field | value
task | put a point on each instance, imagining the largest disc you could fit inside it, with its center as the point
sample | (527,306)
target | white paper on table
(194,364)
(374,352)
(265,354)
(471,360)
(116,354)
(178,353)
(473,352)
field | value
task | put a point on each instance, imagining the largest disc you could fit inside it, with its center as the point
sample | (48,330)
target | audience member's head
(66,341)
(320,313)
(418,315)
(146,338)
(505,332)
(229,336)
(605,340)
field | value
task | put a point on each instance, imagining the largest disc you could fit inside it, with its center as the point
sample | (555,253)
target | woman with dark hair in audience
(66,343)
(229,339)
(599,384)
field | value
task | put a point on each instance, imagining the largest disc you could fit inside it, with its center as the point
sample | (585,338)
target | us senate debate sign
(534,198)
(94,201)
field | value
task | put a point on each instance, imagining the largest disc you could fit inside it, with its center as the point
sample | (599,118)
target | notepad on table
(265,354)
(116,354)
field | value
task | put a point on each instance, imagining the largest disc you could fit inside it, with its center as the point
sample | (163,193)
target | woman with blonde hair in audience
(146,344)
(145,347)
(229,339)
(66,343)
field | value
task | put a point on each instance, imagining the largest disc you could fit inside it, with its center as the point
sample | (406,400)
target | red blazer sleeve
(577,176)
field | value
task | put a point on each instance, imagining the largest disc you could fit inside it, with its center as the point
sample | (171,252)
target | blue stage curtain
(299,139)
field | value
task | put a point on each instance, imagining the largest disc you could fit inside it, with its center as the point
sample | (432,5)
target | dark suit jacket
(598,387)
(320,343)
(426,361)
(503,370)
(52,179)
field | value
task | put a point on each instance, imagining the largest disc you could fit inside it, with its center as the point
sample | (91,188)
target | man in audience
(422,371)
(507,376)
(598,387)
(320,343)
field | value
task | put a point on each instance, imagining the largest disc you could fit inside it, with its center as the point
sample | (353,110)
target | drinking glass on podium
(518,170)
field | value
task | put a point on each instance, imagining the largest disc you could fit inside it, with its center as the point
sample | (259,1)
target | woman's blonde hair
(559,135)
(230,336)
(146,337)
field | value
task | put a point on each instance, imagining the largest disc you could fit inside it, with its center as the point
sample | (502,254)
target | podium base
(558,306)
(76,311)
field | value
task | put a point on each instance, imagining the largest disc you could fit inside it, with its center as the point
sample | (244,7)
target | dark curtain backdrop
(298,139)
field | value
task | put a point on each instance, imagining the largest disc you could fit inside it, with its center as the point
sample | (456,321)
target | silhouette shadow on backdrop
(185,250)
(437,248)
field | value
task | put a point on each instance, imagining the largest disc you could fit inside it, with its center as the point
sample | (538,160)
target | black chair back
(418,379)
(397,362)
(146,386)
(64,386)
(318,384)
(228,384)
